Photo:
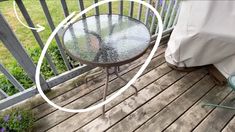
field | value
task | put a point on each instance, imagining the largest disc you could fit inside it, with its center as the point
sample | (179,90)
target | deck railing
(168,10)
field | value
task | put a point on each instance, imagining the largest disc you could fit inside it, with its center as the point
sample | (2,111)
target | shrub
(20,75)
(16,121)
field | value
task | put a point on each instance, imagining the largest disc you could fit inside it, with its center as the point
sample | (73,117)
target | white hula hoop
(143,67)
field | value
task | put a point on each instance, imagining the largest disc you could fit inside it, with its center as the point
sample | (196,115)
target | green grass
(28,41)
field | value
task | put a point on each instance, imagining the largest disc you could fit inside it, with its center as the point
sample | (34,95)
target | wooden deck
(167,100)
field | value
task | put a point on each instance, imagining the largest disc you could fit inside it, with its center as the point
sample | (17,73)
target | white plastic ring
(143,67)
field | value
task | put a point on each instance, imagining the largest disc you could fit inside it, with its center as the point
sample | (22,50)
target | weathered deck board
(190,119)
(95,95)
(143,113)
(218,118)
(168,100)
(129,105)
(230,127)
(177,107)
(45,108)
(65,98)
(92,115)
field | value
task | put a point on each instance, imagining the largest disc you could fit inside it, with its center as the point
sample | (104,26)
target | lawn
(30,44)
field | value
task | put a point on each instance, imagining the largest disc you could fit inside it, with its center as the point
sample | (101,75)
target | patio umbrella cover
(204,34)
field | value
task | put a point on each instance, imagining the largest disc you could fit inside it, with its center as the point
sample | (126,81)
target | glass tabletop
(106,40)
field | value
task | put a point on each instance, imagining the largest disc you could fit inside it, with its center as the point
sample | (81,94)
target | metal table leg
(105,89)
(107,82)
(116,73)
(219,106)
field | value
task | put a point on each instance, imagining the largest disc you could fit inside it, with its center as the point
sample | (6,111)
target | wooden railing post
(164,4)
(131,11)
(140,12)
(97,12)
(52,26)
(81,6)
(11,78)
(35,33)
(3,94)
(177,15)
(173,13)
(65,7)
(147,14)
(14,46)
(110,8)
(168,12)
(153,24)
(121,7)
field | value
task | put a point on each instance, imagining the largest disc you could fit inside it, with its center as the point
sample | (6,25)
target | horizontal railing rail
(169,10)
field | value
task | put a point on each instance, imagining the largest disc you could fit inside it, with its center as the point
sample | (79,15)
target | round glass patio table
(106,41)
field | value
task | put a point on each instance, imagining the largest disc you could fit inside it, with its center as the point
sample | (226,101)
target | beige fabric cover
(204,34)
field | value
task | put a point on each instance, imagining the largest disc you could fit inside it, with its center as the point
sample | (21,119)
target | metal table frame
(231,84)
(108,66)
(116,69)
